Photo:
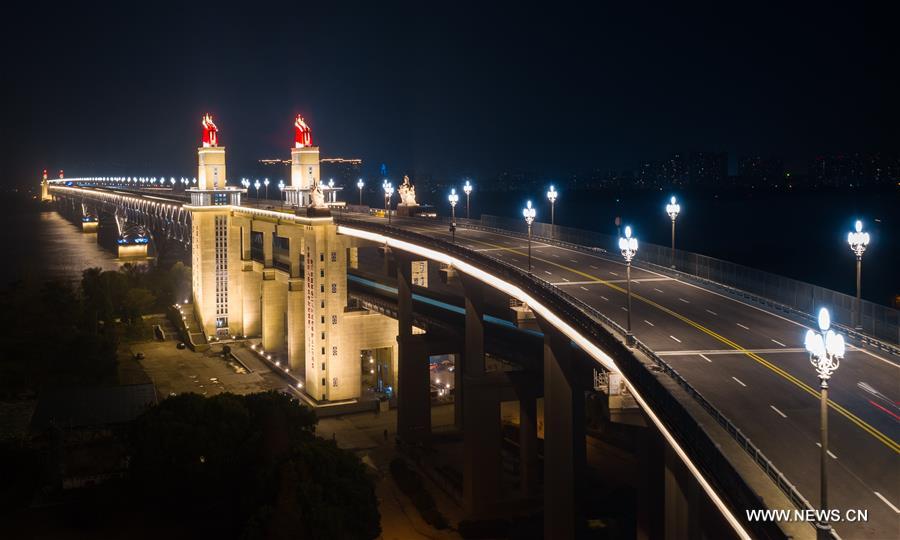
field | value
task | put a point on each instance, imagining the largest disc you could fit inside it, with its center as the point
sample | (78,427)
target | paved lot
(179,371)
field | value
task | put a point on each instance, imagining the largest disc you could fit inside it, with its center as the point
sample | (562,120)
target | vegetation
(62,333)
(254,463)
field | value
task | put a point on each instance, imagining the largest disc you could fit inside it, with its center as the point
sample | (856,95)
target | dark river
(39,244)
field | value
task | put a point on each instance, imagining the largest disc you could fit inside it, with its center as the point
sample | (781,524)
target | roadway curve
(750,364)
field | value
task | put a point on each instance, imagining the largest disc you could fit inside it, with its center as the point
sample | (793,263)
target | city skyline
(451,95)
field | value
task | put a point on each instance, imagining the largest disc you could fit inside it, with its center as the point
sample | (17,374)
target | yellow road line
(881,437)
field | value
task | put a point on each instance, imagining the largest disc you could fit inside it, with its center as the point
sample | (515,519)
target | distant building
(344,171)
(759,172)
(706,169)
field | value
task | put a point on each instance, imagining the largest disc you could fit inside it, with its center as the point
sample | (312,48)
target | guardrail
(610,337)
(803,299)
(855,336)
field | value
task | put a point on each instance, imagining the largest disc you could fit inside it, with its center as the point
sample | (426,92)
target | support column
(251,293)
(413,388)
(528,459)
(651,495)
(482,466)
(273,308)
(296,331)
(564,438)
(682,500)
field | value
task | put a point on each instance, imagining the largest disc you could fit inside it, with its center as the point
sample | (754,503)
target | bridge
(716,386)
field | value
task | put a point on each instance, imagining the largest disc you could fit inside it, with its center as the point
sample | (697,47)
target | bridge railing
(610,337)
(775,292)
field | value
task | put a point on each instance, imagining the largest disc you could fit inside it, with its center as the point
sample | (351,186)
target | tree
(136,303)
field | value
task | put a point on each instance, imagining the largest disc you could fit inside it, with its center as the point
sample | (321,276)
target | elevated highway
(735,359)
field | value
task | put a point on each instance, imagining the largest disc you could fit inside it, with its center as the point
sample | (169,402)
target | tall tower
(215,253)
(45,188)
(304,164)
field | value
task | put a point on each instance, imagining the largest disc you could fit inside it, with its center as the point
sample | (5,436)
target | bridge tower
(215,253)
(45,188)
(304,165)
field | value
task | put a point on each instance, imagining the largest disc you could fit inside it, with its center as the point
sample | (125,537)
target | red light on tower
(60,173)
(210,131)
(45,174)
(302,133)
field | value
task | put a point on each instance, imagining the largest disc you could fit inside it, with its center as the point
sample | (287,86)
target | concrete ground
(176,371)
(364,434)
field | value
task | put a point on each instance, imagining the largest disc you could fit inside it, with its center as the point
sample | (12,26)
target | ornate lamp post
(360,184)
(826,349)
(529,213)
(453,198)
(468,191)
(552,194)
(858,241)
(388,193)
(281,192)
(256,185)
(629,247)
(266,182)
(673,208)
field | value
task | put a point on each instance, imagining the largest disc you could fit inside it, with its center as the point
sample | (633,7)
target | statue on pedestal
(302,133)
(316,197)
(210,132)
(407,193)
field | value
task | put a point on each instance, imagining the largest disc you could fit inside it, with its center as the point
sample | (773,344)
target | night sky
(468,90)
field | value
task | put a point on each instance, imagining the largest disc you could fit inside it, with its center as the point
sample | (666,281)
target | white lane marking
(739,382)
(703,356)
(887,502)
(712,312)
(657,290)
(742,326)
(594,267)
(573,260)
(624,308)
(564,279)
(648,322)
(613,273)
(605,298)
(683,300)
(828,451)
(774,408)
(555,255)
(675,338)
(584,288)
(779,343)
(548,272)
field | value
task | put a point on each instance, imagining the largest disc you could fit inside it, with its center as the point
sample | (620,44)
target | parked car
(180,345)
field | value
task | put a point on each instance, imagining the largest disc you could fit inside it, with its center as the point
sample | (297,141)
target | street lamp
(468,190)
(629,247)
(826,349)
(266,182)
(858,241)
(672,209)
(281,192)
(529,213)
(256,185)
(331,187)
(388,193)
(453,198)
(551,196)
(360,184)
